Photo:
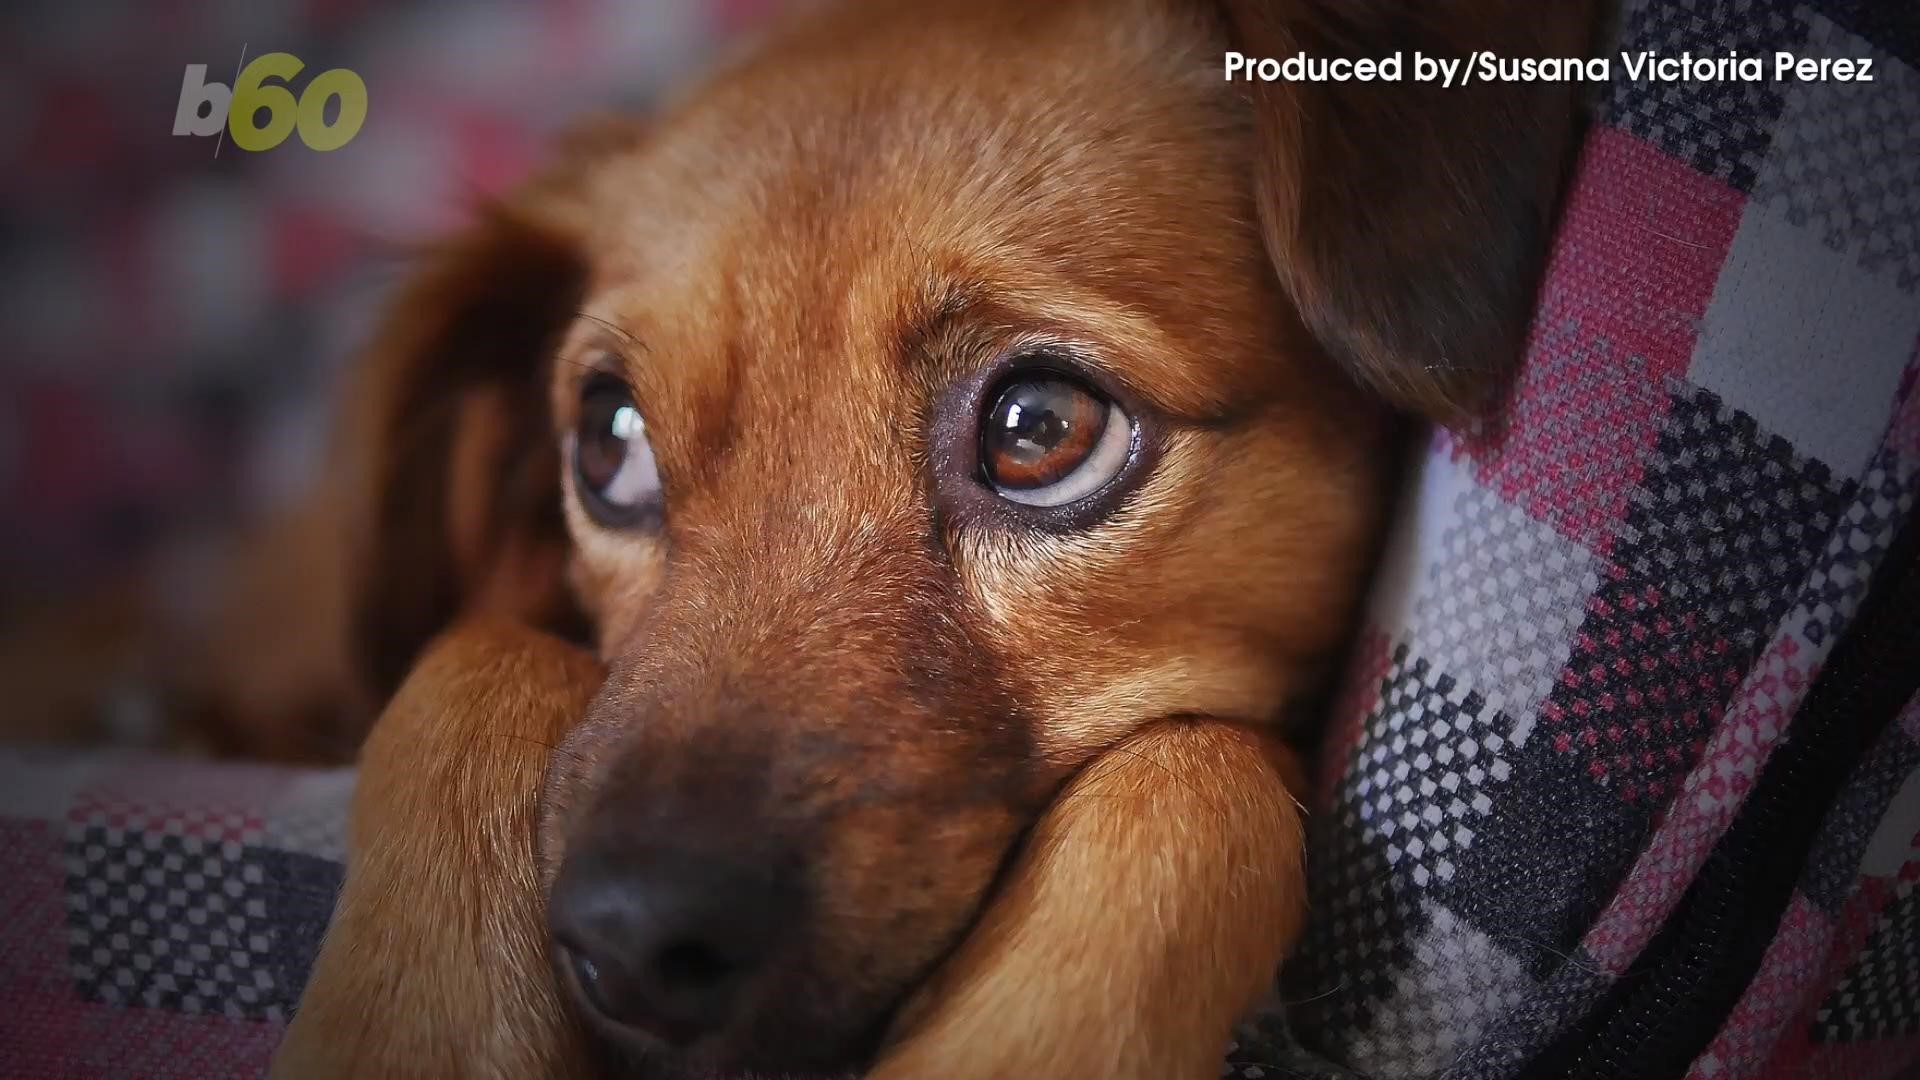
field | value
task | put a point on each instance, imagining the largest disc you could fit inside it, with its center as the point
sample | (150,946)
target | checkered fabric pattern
(1597,621)
(158,918)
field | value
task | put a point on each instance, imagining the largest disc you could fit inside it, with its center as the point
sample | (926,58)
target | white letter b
(196,93)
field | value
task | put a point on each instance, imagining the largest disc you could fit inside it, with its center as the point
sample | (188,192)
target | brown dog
(962,434)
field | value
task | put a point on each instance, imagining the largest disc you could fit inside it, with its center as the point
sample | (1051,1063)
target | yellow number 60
(284,112)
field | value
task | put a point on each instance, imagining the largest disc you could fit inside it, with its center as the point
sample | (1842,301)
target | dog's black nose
(662,941)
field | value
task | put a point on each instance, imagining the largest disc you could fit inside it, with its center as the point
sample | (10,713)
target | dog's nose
(663,941)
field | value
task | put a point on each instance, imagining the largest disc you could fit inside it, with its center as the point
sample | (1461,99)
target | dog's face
(916,429)
(916,446)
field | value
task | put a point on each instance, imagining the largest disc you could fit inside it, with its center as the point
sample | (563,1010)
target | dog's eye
(613,464)
(1048,440)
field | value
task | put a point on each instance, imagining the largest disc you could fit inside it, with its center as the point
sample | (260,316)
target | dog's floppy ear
(455,501)
(1409,220)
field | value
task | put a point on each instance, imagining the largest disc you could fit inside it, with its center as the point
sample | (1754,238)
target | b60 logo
(207,108)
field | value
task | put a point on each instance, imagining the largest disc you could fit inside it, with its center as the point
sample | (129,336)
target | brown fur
(983,736)
(436,964)
(436,960)
(1142,919)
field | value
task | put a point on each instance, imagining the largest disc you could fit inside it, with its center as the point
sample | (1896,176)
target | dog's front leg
(436,964)
(1148,912)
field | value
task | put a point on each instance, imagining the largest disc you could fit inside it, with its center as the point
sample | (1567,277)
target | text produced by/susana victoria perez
(1486,67)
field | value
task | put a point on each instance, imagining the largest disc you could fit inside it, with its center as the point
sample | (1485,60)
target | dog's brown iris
(1039,431)
(618,481)
(603,446)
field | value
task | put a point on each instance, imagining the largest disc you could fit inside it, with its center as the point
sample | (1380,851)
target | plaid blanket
(1625,776)
(1582,719)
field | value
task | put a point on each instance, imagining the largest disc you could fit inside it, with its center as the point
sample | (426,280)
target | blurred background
(176,312)
(174,319)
